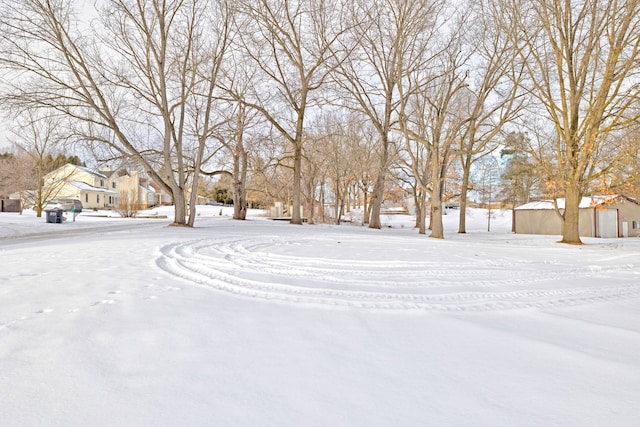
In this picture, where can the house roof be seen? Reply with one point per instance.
(107, 173)
(586, 202)
(86, 187)
(92, 172)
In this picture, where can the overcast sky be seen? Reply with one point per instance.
(4, 143)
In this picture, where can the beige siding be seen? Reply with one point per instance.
(629, 212)
(132, 186)
(67, 191)
(68, 172)
(537, 222)
(546, 221)
(93, 200)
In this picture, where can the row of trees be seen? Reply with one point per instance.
(342, 95)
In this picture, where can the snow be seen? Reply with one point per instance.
(585, 203)
(108, 321)
(86, 187)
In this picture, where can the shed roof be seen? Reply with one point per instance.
(585, 203)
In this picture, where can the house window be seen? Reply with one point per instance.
(102, 183)
(635, 224)
(86, 197)
(97, 198)
(113, 185)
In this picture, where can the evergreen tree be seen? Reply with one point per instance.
(519, 177)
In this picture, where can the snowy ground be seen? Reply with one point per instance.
(116, 322)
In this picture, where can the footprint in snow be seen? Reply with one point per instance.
(104, 302)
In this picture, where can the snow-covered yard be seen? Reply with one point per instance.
(115, 322)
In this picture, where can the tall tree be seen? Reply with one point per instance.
(487, 184)
(393, 39)
(234, 160)
(289, 42)
(413, 170)
(493, 89)
(432, 114)
(581, 59)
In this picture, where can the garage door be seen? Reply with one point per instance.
(607, 223)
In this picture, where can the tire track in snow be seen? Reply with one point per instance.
(235, 256)
(247, 268)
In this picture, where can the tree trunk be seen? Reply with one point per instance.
(296, 218)
(336, 209)
(311, 205)
(422, 212)
(365, 205)
(193, 199)
(437, 228)
(179, 205)
(376, 203)
(466, 171)
(418, 206)
(348, 198)
(322, 204)
(378, 188)
(310, 196)
(239, 186)
(570, 217)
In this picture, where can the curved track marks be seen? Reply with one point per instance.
(255, 268)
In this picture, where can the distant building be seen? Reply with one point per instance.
(101, 189)
(599, 216)
(94, 189)
(142, 192)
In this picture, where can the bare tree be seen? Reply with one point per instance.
(240, 129)
(493, 90)
(202, 69)
(289, 41)
(488, 184)
(393, 40)
(36, 139)
(581, 60)
(413, 167)
(231, 135)
(131, 84)
(17, 172)
(433, 114)
(337, 153)
(314, 174)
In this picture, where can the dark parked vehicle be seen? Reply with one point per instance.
(64, 204)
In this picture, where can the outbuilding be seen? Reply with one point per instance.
(599, 216)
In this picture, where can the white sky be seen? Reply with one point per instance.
(4, 143)
(107, 321)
